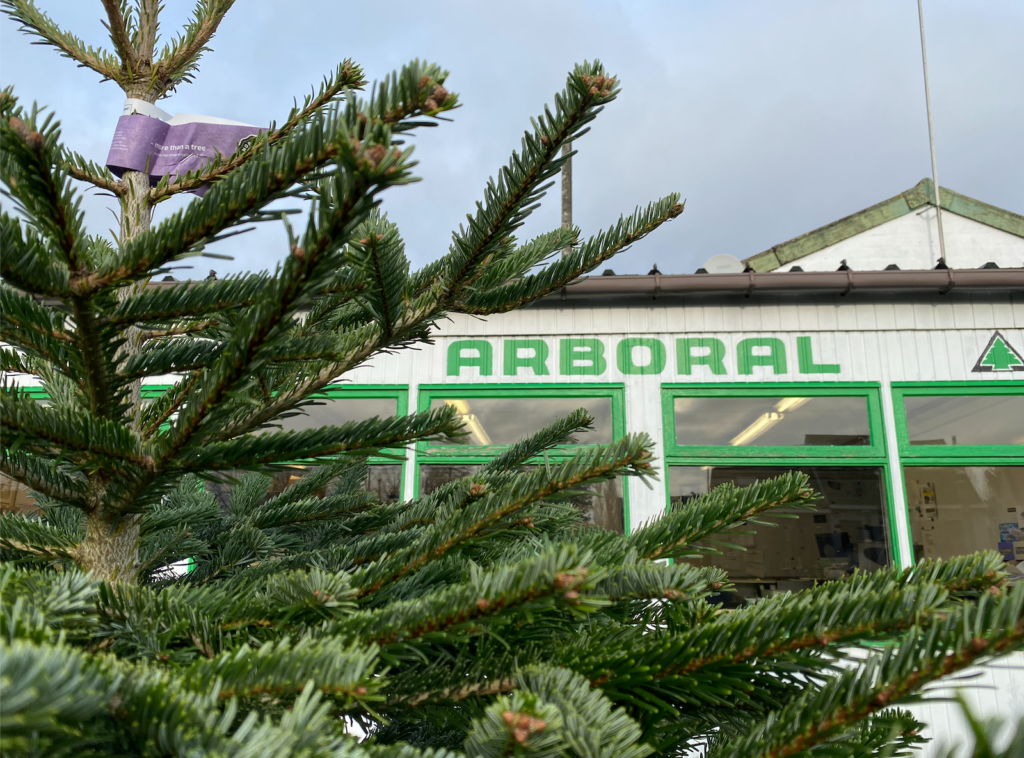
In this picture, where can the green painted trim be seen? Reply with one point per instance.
(954, 455)
(867, 390)
(478, 455)
(922, 194)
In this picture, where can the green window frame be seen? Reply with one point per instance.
(399, 392)
(874, 455)
(963, 455)
(952, 455)
(869, 391)
(432, 454)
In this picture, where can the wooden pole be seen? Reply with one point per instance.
(567, 191)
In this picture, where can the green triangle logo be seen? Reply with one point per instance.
(999, 355)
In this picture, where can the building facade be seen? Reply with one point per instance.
(894, 379)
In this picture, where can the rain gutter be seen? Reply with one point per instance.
(812, 282)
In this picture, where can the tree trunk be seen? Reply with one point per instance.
(110, 549)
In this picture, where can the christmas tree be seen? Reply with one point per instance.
(484, 619)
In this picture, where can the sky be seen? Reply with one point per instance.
(770, 118)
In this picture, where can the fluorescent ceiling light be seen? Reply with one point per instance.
(476, 429)
(766, 421)
(763, 423)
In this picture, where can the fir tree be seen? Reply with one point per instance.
(481, 620)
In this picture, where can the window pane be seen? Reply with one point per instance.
(772, 421)
(506, 420)
(965, 420)
(14, 497)
(433, 476)
(385, 481)
(847, 530)
(601, 503)
(955, 510)
(336, 411)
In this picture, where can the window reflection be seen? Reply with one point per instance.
(955, 510)
(601, 503)
(965, 420)
(772, 421)
(507, 420)
(385, 481)
(15, 498)
(336, 411)
(847, 530)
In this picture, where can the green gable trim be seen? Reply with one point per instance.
(917, 197)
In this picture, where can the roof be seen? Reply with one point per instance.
(920, 195)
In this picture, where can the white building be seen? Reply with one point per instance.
(851, 352)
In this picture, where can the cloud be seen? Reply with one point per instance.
(771, 119)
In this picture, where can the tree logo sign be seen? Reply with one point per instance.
(999, 355)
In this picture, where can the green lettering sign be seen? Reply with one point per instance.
(537, 361)
(686, 360)
(574, 351)
(624, 356)
(483, 360)
(805, 358)
(775, 357)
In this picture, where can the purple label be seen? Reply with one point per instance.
(160, 149)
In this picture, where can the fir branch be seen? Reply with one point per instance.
(629, 455)
(964, 638)
(116, 24)
(86, 171)
(147, 29)
(171, 357)
(71, 431)
(675, 534)
(187, 300)
(35, 22)
(357, 437)
(508, 202)
(43, 476)
(31, 536)
(578, 262)
(179, 61)
(178, 330)
(348, 76)
(555, 579)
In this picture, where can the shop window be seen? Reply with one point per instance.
(847, 531)
(956, 510)
(498, 416)
(748, 433)
(962, 451)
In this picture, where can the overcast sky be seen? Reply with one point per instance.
(769, 118)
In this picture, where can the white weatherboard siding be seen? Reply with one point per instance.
(912, 242)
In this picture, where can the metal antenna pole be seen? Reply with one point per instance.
(931, 134)
(566, 191)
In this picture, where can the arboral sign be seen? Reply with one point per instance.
(593, 356)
